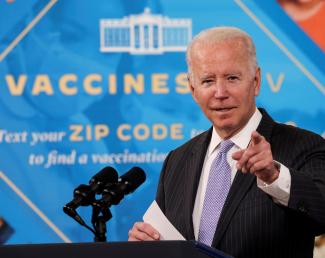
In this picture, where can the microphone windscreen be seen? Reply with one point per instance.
(105, 176)
(133, 178)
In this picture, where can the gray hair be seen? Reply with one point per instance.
(221, 34)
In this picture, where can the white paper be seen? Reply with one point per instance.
(156, 218)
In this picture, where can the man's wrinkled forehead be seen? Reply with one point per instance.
(200, 48)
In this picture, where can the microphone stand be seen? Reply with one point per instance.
(112, 194)
(99, 222)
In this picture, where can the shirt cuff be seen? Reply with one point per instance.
(280, 188)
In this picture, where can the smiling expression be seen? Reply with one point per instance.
(224, 83)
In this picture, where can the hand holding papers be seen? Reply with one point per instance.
(156, 218)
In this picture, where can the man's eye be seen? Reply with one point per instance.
(233, 78)
(207, 82)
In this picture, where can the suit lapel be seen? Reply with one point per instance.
(193, 173)
(240, 185)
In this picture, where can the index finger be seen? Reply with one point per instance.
(256, 138)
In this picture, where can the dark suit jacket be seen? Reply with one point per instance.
(251, 223)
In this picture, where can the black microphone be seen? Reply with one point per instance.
(102, 178)
(113, 194)
(84, 195)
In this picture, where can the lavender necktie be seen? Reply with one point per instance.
(216, 193)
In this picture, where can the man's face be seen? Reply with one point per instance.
(224, 84)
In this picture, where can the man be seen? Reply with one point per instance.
(263, 195)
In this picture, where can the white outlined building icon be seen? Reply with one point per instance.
(145, 33)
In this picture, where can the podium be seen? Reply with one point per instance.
(146, 249)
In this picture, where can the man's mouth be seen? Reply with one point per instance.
(226, 109)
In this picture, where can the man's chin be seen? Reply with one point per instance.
(224, 125)
(227, 128)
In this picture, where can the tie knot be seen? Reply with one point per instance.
(225, 146)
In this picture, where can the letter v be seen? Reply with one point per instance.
(275, 87)
(16, 89)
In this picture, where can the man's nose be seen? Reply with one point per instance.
(221, 91)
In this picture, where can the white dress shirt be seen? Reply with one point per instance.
(279, 189)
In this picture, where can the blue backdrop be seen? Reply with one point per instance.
(69, 106)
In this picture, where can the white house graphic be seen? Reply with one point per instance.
(145, 33)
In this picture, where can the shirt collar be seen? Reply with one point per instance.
(242, 138)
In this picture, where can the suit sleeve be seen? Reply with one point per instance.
(307, 193)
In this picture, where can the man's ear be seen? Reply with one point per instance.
(257, 81)
(190, 84)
